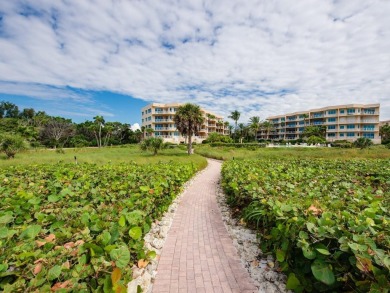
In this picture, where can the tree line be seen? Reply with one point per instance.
(39, 129)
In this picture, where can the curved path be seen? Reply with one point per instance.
(198, 255)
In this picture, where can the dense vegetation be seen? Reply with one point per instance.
(223, 152)
(80, 227)
(38, 128)
(327, 221)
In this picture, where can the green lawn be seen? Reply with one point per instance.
(226, 153)
(112, 155)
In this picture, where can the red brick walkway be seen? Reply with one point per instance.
(198, 255)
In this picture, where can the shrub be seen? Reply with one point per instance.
(217, 137)
(362, 143)
(11, 144)
(153, 144)
(315, 140)
(239, 145)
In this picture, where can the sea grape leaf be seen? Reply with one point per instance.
(280, 255)
(292, 282)
(135, 233)
(322, 271)
(106, 237)
(121, 256)
(151, 254)
(30, 232)
(116, 275)
(5, 219)
(309, 253)
(323, 251)
(3, 232)
(122, 221)
(54, 272)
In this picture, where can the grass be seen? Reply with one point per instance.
(228, 153)
(108, 155)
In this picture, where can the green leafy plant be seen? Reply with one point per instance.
(153, 144)
(80, 228)
(12, 144)
(326, 221)
(363, 143)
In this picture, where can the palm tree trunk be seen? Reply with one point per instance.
(189, 149)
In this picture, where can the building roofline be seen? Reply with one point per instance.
(324, 109)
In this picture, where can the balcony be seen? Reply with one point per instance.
(165, 128)
(162, 120)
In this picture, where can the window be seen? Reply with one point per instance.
(342, 111)
(332, 127)
(331, 119)
(368, 135)
(341, 126)
(301, 122)
(142, 120)
(341, 134)
(369, 127)
(149, 110)
(332, 112)
(149, 118)
(331, 134)
(351, 111)
(142, 113)
(351, 134)
(351, 126)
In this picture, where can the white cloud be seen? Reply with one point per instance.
(259, 57)
(135, 127)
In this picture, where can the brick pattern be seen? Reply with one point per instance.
(198, 255)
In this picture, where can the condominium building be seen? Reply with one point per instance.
(344, 122)
(159, 117)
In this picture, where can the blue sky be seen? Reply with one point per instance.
(79, 59)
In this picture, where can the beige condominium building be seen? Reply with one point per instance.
(344, 122)
(159, 117)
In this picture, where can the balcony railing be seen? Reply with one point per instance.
(162, 120)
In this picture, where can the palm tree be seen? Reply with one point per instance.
(188, 120)
(268, 127)
(149, 131)
(254, 124)
(226, 126)
(242, 128)
(99, 122)
(235, 116)
(143, 128)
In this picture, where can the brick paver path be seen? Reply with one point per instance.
(198, 255)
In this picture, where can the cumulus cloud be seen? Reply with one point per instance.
(135, 127)
(259, 57)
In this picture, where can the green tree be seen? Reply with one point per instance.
(313, 130)
(188, 120)
(384, 132)
(97, 129)
(254, 124)
(12, 144)
(149, 131)
(268, 127)
(362, 143)
(153, 144)
(8, 110)
(315, 139)
(235, 116)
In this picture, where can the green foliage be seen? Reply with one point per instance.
(315, 140)
(362, 143)
(342, 144)
(80, 227)
(314, 130)
(188, 120)
(327, 221)
(217, 137)
(384, 132)
(239, 145)
(12, 144)
(153, 144)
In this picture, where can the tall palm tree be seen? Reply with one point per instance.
(188, 120)
(254, 124)
(143, 128)
(268, 127)
(305, 116)
(149, 131)
(235, 116)
(99, 122)
(226, 126)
